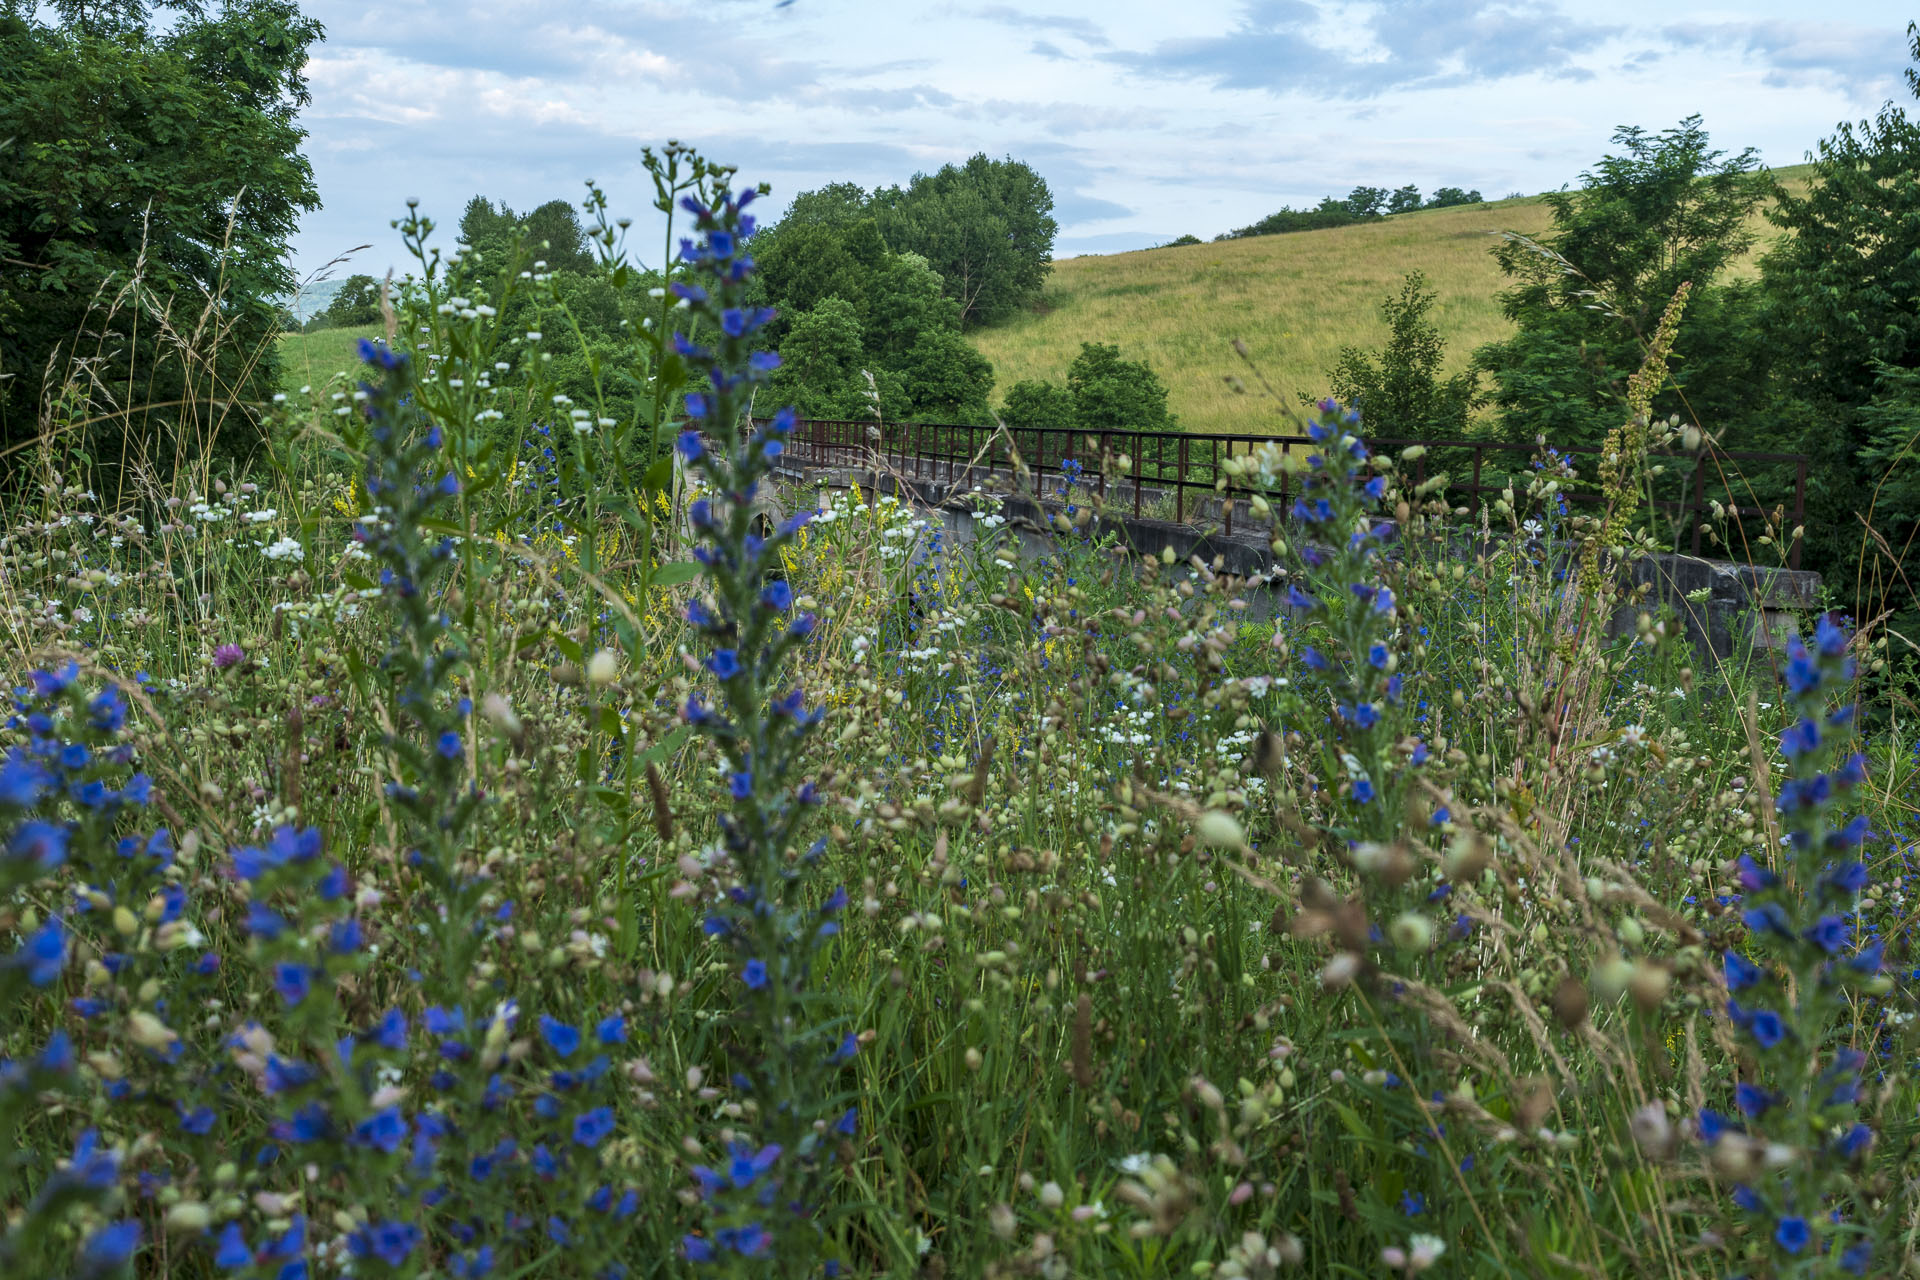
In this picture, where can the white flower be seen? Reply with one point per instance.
(284, 549)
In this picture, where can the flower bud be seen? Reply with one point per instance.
(149, 1032)
(189, 1216)
(1219, 830)
(603, 668)
(1411, 931)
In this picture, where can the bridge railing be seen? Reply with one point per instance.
(1186, 470)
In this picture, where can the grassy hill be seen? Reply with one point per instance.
(1295, 300)
(313, 358)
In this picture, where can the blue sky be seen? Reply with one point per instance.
(1149, 118)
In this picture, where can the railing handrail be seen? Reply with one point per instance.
(912, 444)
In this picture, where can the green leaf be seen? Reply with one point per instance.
(675, 574)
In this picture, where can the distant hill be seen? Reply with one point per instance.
(1295, 299)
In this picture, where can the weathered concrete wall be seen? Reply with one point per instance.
(1738, 604)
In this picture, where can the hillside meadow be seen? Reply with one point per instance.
(1294, 299)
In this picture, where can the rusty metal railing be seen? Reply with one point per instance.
(1188, 466)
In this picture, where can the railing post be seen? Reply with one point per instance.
(1699, 497)
(1220, 478)
(1799, 510)
(1138, 449)
(1180, 485)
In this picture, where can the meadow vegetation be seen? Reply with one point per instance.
(469, 836)
(418, 865)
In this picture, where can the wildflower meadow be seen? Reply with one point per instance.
(496, 833)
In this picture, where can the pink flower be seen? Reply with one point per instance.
(227, 655)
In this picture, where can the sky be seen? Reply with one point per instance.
(1148, 118)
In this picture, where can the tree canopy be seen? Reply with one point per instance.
(1663, 210)
(174, 145)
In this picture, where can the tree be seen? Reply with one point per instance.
(805, 264)
(1840, 293)
(1400, 392)
(174, 144)
(1113, 394)
(1446, 197)
(1404, 200)
(946, 380)
(1666, 210)
(986, 227)
(1044, 406)
(820, 363)
(356, 302)
(1367, 202)
(556, 238)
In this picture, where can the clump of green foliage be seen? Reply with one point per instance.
(1362, 204)
(1103, 392)
(1402, 390)
(150, 174)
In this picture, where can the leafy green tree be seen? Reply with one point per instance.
(1404, 199)
(837, 204)
(820, 363)
(946, 380)
(1841, 293)
(805, 264)
(1447, 197)
(905, 303)
(355, 302)
(554, 232)
(1113, 394)
(173, 143)
(1667, 209)
(1401, 392)
(987, 228)
(1046, 406)
(1367, 202)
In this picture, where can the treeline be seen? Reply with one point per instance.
(875, 290)
(1362, 204)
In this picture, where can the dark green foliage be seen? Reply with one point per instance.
(1843, 297)
(1181, 241)
(945, 379)
(806, 263)
(1367, 202)
(1447, 197)
(1110, 393)
(1103, 393)
(1666, 210)
(1044, 406)
(1363, 204)
(986, 227)
(355, 302)
(1400, 392)
(821, 358)
(553, 232)
(174, 143)
(849, 307)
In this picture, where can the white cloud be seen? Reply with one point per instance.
(1148, 120)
